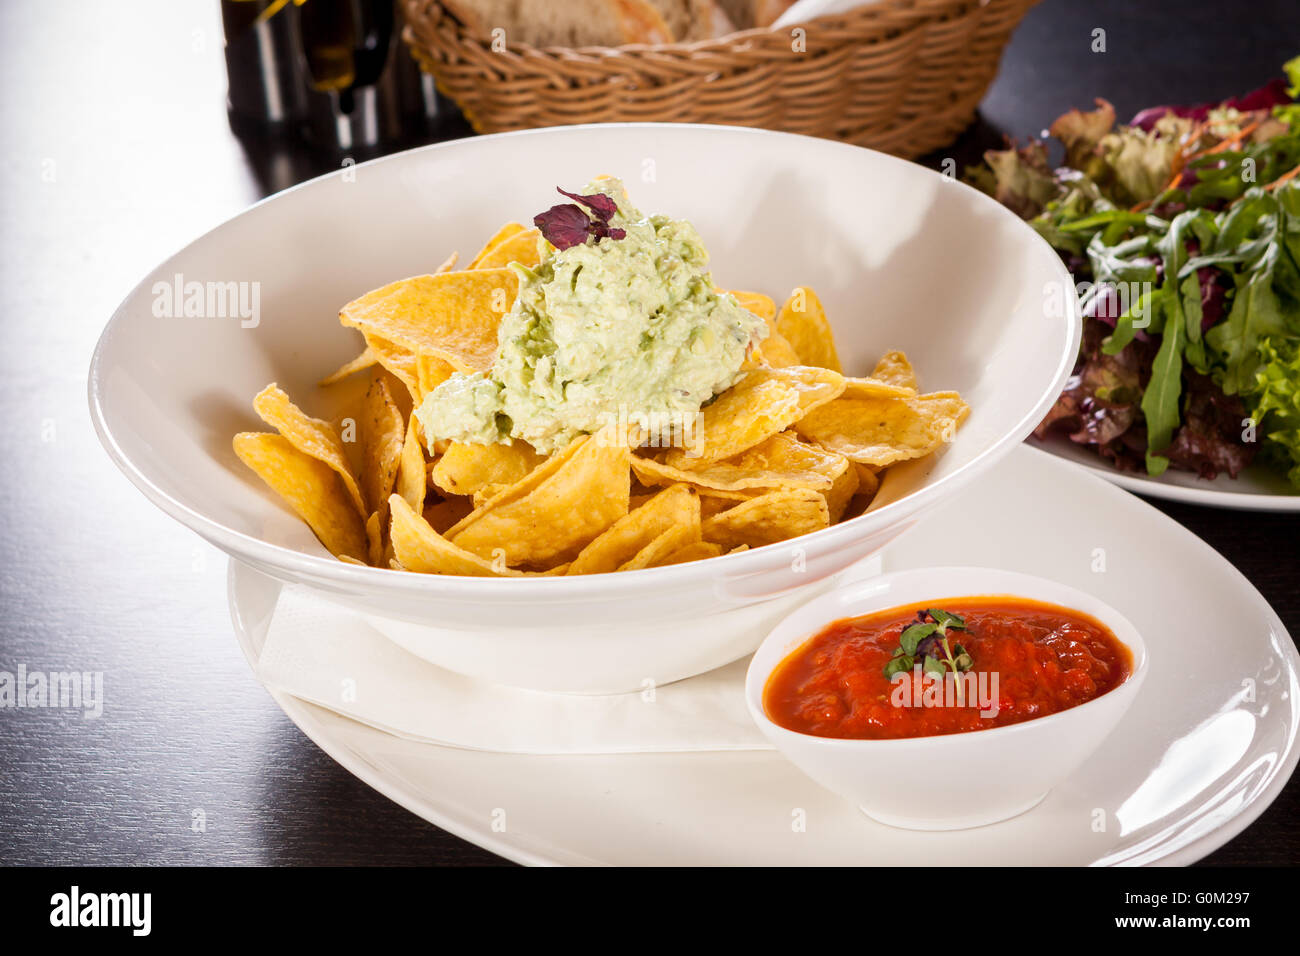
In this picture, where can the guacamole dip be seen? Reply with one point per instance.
(609, 327)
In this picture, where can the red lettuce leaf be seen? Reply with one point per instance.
(1267, 96)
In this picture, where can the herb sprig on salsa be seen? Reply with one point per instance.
(926, 642)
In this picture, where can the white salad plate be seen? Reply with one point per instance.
(1209, 742)
(1256, 489)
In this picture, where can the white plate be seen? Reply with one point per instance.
(1256, 489)
(1195, 761)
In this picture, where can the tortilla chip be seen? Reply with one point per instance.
(311, 487)
(803, 324)
(874, 388)
(868, 478)
(761, 305)
(452, 315)
(767, 519)
(444, 514)
(868, 485)
(366, 359)
(695, 551)
(502, 234)
(881, 431)
(375, 540)
(400, 362)
(412, 479)
(464, 469)
(840, 493)
(670, 542)
(382, 435)
(715, 502)
(775, 352)
(763, 403)
(487, 493)
(895, 369)
(782, 461)
(675, 507)
(556, 509)
(314, 437)
(520, 247)
(447, 264)
(419, 548)
(430, 372)
(772, 352)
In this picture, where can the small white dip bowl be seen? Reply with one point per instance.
(953, 781)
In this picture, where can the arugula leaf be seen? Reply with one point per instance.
(1179, 306)
(1160, 400)
(1149, 302)
(1194, 349)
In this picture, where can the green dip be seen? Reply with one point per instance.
(628, 328)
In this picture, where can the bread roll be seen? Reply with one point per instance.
(748, 14)
(571, 23)
(691, 20)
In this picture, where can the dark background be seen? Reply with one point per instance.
(117, 151)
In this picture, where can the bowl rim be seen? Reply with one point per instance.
(1123, 629)
(279, 560)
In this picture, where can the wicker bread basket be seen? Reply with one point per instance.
(903, 76)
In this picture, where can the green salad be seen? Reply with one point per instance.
(1182, 230)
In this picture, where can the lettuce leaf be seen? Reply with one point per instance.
(1274, 402)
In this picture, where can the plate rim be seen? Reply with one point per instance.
(1158, 488)
(301, 714)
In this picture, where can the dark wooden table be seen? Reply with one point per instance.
(116, 152)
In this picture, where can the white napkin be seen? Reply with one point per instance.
(806, 10)
(326, 655)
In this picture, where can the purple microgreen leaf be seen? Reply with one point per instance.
(599, 203)
(568, 225)
(564, 226)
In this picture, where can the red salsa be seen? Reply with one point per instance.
(1024, 659)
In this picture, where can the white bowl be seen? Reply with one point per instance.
(900, 256)
(953, 781)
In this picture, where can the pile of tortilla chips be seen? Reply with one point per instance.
(792, 447)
